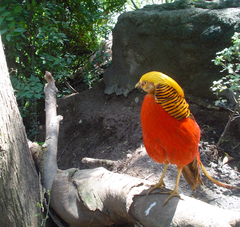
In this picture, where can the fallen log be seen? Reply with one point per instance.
(98, 197)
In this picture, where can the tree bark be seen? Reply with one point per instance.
(19, 186)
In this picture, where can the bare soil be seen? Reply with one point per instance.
(103, 126)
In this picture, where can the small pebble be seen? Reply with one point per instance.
(136, 100)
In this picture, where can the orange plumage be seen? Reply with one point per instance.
(165, 138)
(170, 132)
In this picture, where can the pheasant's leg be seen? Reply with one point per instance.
(174, 192)
(160, 182)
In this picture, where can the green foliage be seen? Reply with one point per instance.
(58, 36)
(229, 59)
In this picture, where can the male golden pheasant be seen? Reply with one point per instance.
(170, 132)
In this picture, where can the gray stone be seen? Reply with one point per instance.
(179, 39)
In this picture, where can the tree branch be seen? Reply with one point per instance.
(109, 164)
(135, 6)
(52, 130)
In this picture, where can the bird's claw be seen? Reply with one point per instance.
(173, 193)
(160, 185)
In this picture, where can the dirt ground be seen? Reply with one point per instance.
(102, 126)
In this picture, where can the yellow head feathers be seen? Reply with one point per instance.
(160, 78)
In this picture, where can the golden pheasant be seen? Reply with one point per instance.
(170, 132)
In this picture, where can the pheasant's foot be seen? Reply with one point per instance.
(172, 193)
(160, 185)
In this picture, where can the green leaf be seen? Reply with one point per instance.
(3, 31)
(29, 94)
(10, 18)
(17, 9)
(62, 35)
(69, 60)
(28, 6)
(21, 30)
(4, 14)
(2, 9)
(37, 96)
(8, 37)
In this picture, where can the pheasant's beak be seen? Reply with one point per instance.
(139, 84)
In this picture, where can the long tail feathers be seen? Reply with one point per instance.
(191, 173)
(218, 183)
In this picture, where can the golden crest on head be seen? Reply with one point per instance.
(161, 78)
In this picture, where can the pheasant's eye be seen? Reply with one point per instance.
(145, 82)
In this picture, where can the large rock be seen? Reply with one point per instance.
(179, 39)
